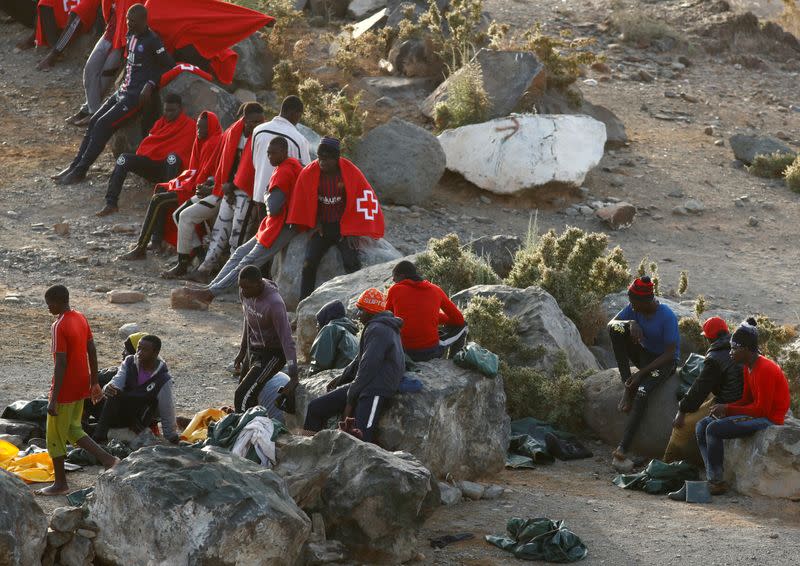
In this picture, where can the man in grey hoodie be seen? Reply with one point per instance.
(372, 378)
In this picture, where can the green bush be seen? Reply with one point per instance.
(772, 337)
(792, 175)
(575, 269)
(285, 79)
(490, 327)
(771, 166)
(467, 101)
(453, 268)
(692, 339)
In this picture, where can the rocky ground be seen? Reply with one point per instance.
(668, 162)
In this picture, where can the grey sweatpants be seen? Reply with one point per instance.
(228, 227)
(191, 213)
(98, 73)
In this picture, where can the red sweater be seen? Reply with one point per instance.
(765, 394)
(422, 306)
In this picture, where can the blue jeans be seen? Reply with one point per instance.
(712, 431)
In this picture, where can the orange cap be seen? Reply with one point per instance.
(372, 301)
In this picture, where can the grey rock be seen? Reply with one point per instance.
(86, 533)
(77, 552)
(618, 215)
(376, 514)
(67, 519)
(213, 507)
(456, 425)
(694, 206)
(57, 538)
(449, 495)
(499, 251)
(680, 211)
(746, 147)
(384, 155)
(13, 439)
(405, 89)
(509, 77)
(541, 323)
(255, 64)
(23, 429)
(386, 102)
(471, 490)
(127, 329)
(23, 525)
(325, 552)
(752, 221)
(493, 492)
(288, 265)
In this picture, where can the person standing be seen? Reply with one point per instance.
(74, 379)
(267, 342)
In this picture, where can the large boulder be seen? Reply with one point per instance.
(209, 507)
(498, 251)
(402, 161)
(746, 147)
(23, 524)
(556, 102)
(372, 500)
(766, 463)
(23, 429)
(603, 391)
(541, 323)
(255, 64)
(510, 155)
(510, 78)
(457, 425)
(287, 266)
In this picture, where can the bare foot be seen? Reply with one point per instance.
(52, 490)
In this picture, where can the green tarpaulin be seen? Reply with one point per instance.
(658, 477)
(540, 539)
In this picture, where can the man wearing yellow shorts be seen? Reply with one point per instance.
(74, 379)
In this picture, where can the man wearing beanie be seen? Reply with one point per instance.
(720, 381)
(372, 378)
(644, 333)
(764, 402)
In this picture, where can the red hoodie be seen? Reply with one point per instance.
(423, 306)
(766, 392)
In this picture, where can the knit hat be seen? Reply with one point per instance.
(371, 301)
(714, 327)
(641, 289)
(330, 311)
(746, 336)
(331, 143)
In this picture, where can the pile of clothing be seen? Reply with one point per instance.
(537, 442)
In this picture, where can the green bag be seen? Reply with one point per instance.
(540, 539)
(658, 478)
(690, 370)
(34, 411)
(474, 357)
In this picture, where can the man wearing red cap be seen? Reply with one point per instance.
(720, 381)
(371, 379)
(644, 333)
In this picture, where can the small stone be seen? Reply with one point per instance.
(12, 300)
(125, 228)
(586, 210)
(690, 98)
(483, 220)
(325, 552)
(485, 200)
(57, 538)
(590, 82)
(783, 136)
(180, 299)
(571, 211)
(645, 76)
(122, 297)
(773, 535)
(66, 519)
(101, 289)
(87, 533)
(12, 214)
(616, 181)
(694, 206)
(471, 490)
(584, 191)
(449, 495)
(685, 61)
(709, 131)
(752, 221)
(601, 67)
(77, 552)
(127, 329)
(670, 94)
(680, 211)
(386, 102)
(677, 193)
(493, 492)
(719, 142)
(677, 66)
(619, 215)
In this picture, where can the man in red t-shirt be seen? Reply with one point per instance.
(273, 235)
(74, 379)
(424, 306)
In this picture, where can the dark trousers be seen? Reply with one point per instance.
(626, 351)
(48, 20)
(124, 411)
(320, 243)
(711, 432)
(367, 411)
(153, 171)
(114, 112)
(155, 218)
(262, 365)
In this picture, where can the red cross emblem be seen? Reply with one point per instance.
(368, 204)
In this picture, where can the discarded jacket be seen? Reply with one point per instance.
(658, 477)
(257, 435)
(537, 442)
(479, 359)
(225, 432)
(34, 411)
(540, 539)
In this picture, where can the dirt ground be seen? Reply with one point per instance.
(732, 263)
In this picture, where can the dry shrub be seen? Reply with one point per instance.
(641, 29)
(790, 18)
(771, 166)
(692, 339)
(792, 175)
(453, 268)
(361, 55)
(467, 101)
(772, 337)
(279, 36)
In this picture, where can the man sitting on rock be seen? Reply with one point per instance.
(141, 386)
(272, 236)
(334, 200)
(423, 306)
(719, 382)
(765, 400)
(336, 344)
(267, 342)
(644, 333)
(159, 157)
(371, 379)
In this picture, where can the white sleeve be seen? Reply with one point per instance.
(305, 156)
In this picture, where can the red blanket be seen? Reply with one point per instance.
(205, 155)
(246, 172)
(284, 178)
(230, 145)
(362, 215)
(85, 9)
(211, 26)
(165, 137)
(175, 72)
(120, 21)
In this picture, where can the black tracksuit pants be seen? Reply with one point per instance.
(262, 365)
(320, 243)
(153, 171)
(156, 216)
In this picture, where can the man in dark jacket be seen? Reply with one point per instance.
(720, 381)
(372, 378)
(336, 344)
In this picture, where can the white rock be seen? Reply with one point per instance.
(127, 329)
(544, 149)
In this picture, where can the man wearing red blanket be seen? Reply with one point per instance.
(159, 157)
(334, 200)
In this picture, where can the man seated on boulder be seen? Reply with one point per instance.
(267, 342)
(142, 386)
(334, 200)
(336, 344)
(272, 236)
(720, 381)
(159, 157)
(644, 333)
(423, 306)
(147, 60)
(765, 400)
(371, 379)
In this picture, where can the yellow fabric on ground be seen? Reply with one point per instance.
(197, 429)
(34, 468)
